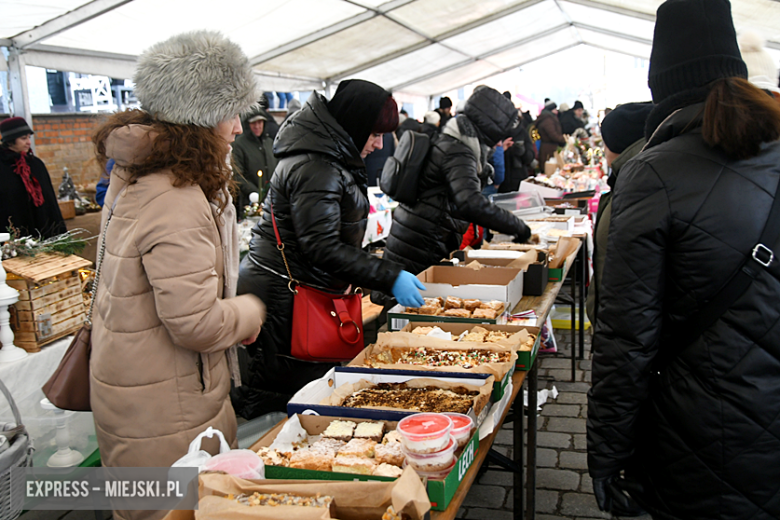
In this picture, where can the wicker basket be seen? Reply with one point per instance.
(18, 455)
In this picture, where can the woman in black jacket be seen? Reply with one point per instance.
(694, 423)
(27, 198)
(318, 192)
(450, 186)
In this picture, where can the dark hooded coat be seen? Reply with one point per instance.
(550, 134)
(319, 200)
(450, 187)
(252, 155)
(17, 205)
(697, 425)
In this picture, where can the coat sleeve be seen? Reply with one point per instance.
(629, 317)
(315, 205)
(460, 169)
(175, 237)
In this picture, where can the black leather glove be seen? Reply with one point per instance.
(612, 497)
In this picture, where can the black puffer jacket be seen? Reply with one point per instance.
(450, 187)
(319, 196)
(703, 437)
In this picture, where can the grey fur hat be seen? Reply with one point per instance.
(195, 78)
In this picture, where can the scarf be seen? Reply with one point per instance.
(462, 129)
(228, 232)
(31, 184)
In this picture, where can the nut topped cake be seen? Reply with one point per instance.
(425, 399)
(440, 358)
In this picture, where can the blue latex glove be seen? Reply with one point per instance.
(406, 290)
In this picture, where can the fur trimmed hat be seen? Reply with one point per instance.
(196, 78)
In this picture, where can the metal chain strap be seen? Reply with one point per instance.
(101, 253)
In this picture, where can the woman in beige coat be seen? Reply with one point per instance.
(165, 313)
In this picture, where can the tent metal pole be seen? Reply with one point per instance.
(18, 80)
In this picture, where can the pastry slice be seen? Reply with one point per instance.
(341, 430)
(493, 304)
(389, 453)
(470, 305)
(358, 448)
(489, 314)
(422, 331)
(457, 313)
(311, 459)
(388, 470)
(370, 430)
(496, 336)
(430, 310)
(328, 444)
(272, 457)
(392, 436)
(359, 465)
(453, 302)
(436, 302)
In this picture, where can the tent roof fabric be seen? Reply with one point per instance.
(419, 47)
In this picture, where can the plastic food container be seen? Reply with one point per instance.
(462, 426)
(433, 462)
(425, 432)
(239, 463)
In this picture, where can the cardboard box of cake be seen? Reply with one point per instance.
(415, 395)
(344, 446)
(477, 351)
(224, 497)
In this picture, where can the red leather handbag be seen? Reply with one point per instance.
(326, 327)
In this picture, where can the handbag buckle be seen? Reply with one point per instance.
(763, 251)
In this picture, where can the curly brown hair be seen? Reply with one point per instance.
(194, 154)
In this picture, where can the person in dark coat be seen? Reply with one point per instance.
(430, 126)
(27, 198)
(407, 124)
(253, 158)
(319, 198)
(375, 161)
(444, 111)
(693, 424)
(571, 120)
(518, 159)
(550, 132)
(623, 131)
(450, 186)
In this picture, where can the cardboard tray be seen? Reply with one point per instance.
(397, 319)
(503, 375)
(309, 399)
(525, 358)
(500, 284)
(440, 492)
(535, 278)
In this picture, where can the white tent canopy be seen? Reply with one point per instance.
(415, 47)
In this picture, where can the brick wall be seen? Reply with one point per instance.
(66, 140)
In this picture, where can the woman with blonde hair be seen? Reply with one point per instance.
(165, 312)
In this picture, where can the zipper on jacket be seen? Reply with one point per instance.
(199, 363)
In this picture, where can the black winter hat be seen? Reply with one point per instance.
(493, 114)
(693, 45)
(625, 125)
(13, 128)
(445, 102)
(577, 104)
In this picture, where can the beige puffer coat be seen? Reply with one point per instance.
(159, 372)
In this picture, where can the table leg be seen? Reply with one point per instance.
(573, 319)
(518, 507)
(583, 279)
(531, 445)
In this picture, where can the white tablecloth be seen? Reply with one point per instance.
(24, 376)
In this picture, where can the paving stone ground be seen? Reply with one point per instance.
(563, 488)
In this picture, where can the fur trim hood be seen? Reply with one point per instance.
(196, 78)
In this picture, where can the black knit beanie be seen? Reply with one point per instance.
(694, 44)
(625, 125)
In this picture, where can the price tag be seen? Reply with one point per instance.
(45, 326)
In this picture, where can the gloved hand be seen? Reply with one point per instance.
(406, 290)
(523, 237)
(612, 497)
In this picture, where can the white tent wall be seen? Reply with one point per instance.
(419, 48)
